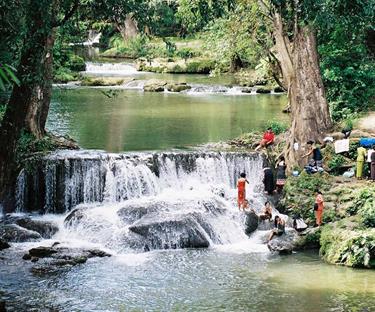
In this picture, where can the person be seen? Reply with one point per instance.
(298, 223)
(279, 228)
(241, 186)
(269, 185)
(245, 205)
(372, 166)
(371, 149)
(361, 156)
(314, 151)
(267, 212)
(319, 206)
(281, 174)
(268, 139)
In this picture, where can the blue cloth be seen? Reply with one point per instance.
(367, 142)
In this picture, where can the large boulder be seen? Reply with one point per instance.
(251, 222)
(45, 228)
(173, 231)
(15, 233)
(42, 252)
(285, 243)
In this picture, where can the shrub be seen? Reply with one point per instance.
(186, 53)
(76, 63)
(277, 126)
(336, 162)
(2, 112)
(64, 75)
(363, 200)
(203, 66)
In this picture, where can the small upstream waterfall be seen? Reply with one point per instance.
(116, 69)
(143, 201)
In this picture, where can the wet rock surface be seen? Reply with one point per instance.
(180, 231)
(15, 233)
(285, 243)
(4, 244)
(252, 222)
(45, 228)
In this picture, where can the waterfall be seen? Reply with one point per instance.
(117, 69)
(65, 179)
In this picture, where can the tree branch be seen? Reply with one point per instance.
(67, 14)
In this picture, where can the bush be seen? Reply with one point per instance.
(336, 162)
(76, 63)
(64, 75)
(203, 66)
(186, 53)
(277, 126)
(364, 199)
(2, 112)
(355, 248)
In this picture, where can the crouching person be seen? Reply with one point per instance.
(279, 228)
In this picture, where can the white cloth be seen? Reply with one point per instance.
(369, 154)
(300, 224)
(341, 146)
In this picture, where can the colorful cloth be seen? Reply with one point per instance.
(269, 137)
(359, 173)
(361, 154)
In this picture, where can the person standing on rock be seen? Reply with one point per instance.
(281, 174)
(361, 156)
(241, 187)
(319, 203)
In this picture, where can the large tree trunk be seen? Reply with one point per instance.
(301, 73)
(28, 106)
(128, 28)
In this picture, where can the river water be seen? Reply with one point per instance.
(177, 191)
(213, 110)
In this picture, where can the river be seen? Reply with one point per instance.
(179, 195)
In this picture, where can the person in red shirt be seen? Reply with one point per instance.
(241, 186)
(319, 203)
(268, 139)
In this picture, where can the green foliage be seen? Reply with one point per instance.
(363, 201)
(194, 15)
(2, 112)
(350, 247)
(136, 47)
(7, 76)
(336, 162)
(203, 66)
(277, 126)
(63, 75)
(76, 63)
(186, 53)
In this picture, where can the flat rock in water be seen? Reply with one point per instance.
(285, 243)
(42, 252)
(15, 233)
(178, 87)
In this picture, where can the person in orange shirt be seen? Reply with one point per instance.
(241, 186)
(319, 204)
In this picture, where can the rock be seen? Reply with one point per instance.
(135, 211)
(247, 90)
(263, 90)
(308, 239)
(3, 244)
(75, 216)
(98, 253)
(278, 90)
(285, 243)
(175, 231)
(34, 259)
(15, 233)
(251, 223)
(154, 86)
(45, 228)
(42, 252)
(178, 87)
(26, 257)
(2, 306)
(265, 225)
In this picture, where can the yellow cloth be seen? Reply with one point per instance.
(359, 169)
(361, 154)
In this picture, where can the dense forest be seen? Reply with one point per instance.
(320, 52)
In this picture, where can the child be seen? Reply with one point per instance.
(319, 203)
(241, 186)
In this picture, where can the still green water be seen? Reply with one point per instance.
(134, 120)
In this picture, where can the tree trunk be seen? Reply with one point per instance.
(129, 28)
(28, 106)
(309, 109)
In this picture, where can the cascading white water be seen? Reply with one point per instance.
(146, 201)
(116, 69)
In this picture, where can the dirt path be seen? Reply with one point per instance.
(367, 123)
